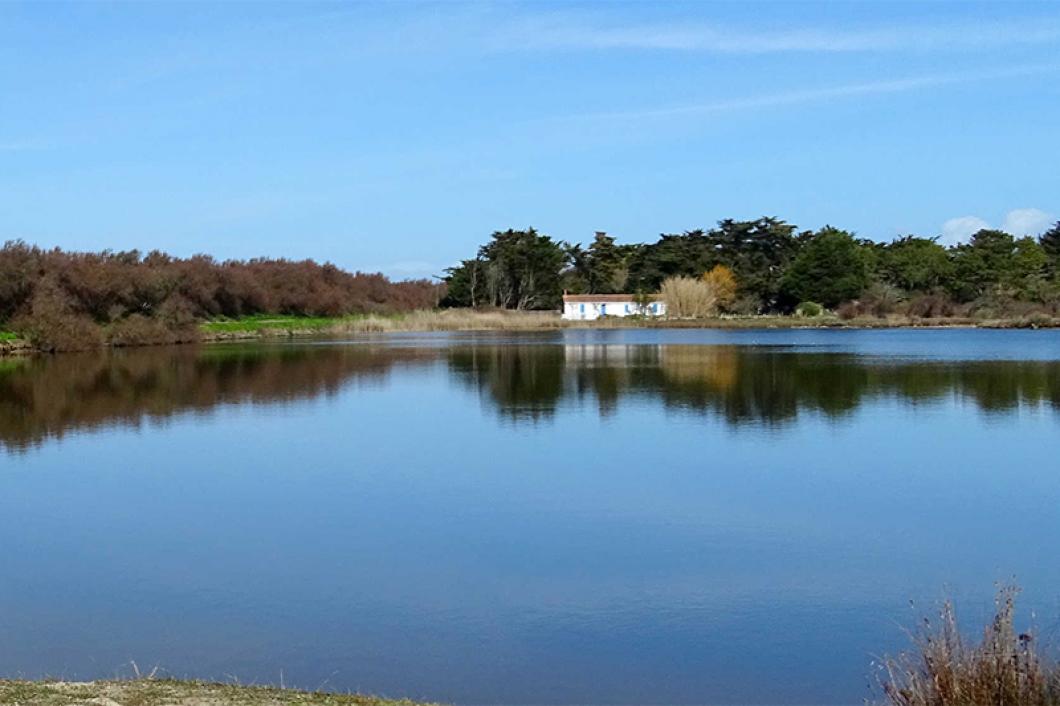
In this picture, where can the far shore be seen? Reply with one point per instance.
(279, 326)
(172, 692)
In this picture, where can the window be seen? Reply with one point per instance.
(582, 308)
(603, 309)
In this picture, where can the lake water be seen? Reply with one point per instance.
(577, 517)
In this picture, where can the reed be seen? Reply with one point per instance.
(1005, 668)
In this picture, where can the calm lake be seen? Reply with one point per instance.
(573, 517)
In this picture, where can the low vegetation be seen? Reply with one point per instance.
(167, 692)
(424, 320)
(1005, 668)
(64, 301)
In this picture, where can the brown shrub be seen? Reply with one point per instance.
(65, 301)
(930, 306)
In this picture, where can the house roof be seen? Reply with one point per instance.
(604, 298)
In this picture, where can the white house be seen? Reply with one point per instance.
(586, 307)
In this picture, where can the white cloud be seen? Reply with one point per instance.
(1027, 221)
(1018, 222)
(958, 230)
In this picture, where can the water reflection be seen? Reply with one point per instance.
(48, 397)
(740, 384)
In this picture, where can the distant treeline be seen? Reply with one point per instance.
(64, 300)
(775, 267)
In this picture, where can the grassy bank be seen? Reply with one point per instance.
(496, 320)
(167, 692)
(278, 326)
(439, 320)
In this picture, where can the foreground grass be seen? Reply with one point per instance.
(169, 692)
(1005, 668)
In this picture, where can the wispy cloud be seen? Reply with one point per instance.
(580, 32)
(811, 95)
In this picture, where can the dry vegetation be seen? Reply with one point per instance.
(688, 298)
(67, 301)
(166, 692)
(1006, 668)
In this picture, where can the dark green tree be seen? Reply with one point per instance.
(914, 264)
(758, 252)
(606, 268)
(829, 269)
(995, 263)
(466, 284)
(523, 269)
(689, 254)
(1050, 244)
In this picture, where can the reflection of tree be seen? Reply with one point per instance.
(524, 381)
(48, 396)
(739, 385)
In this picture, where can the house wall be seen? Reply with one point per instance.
(590, 311)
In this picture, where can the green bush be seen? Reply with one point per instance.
(809, 310)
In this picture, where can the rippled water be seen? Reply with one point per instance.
(642, 516)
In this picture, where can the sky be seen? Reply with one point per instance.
(396, 137)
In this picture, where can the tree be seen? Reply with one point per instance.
(995, 263)
(686, 255)
(523, 269)
(758, 252)
(605, 266)
(1050, 244)
(914, 264)
(723, 283)
(465, 284)
(829, 269)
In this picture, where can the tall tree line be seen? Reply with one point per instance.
(776, 266)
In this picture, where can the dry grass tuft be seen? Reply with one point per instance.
(1004, 669)
(688, 298)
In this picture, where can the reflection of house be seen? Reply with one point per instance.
(610, 355)
(592, 306)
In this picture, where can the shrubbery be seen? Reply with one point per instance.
(64, 301)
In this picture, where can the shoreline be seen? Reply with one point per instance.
(456, 320)
(175, 692)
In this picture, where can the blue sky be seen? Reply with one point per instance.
(396, 137)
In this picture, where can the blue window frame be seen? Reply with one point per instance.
(582, 308)
(603, 309)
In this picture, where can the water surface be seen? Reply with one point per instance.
(592, 517)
